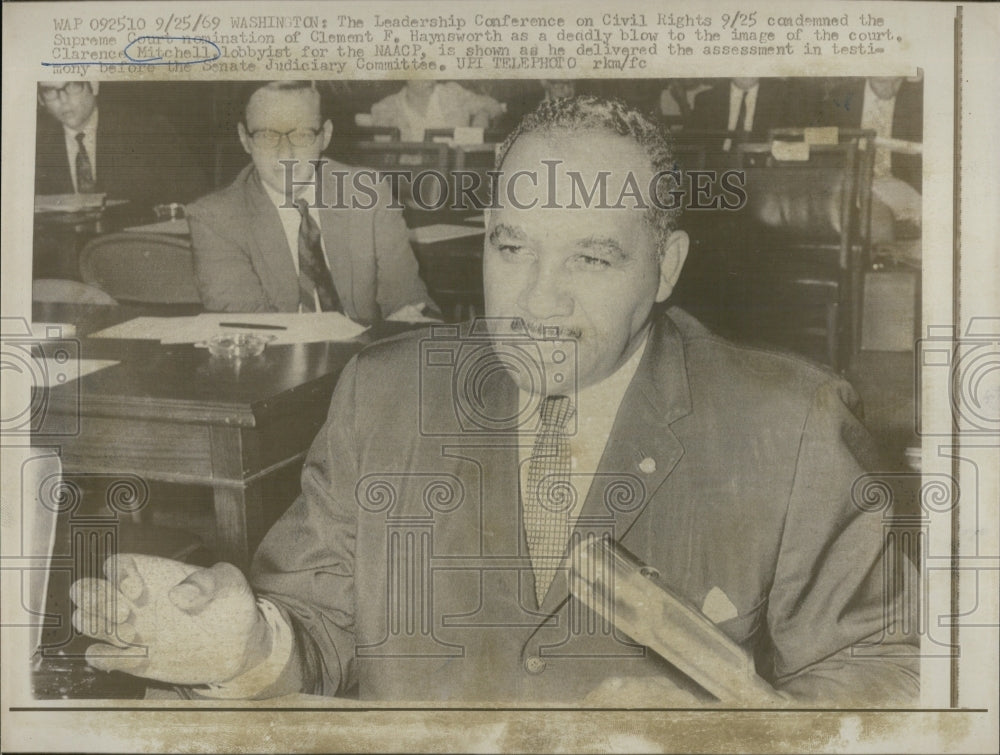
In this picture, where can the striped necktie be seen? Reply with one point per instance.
(549, 498)
(315, 281)
(85, 183)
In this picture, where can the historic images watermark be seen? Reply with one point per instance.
(432, 189)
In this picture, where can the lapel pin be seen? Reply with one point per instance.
(648, 465)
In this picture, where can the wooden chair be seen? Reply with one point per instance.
(142, 268)
(804, 241)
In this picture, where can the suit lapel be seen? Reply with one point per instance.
(642, 450)
(270, 247)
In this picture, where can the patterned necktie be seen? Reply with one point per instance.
(315, 281)
(549, 498)
(85, 183)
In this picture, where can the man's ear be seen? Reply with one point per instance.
(675, 250)
(327, 134)
(244, 136)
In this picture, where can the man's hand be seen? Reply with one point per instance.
(169, 621)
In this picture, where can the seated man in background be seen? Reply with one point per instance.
(893, 107)
(747, 105)
(86, 147)
(425, 556)
(423, 104)
(264, 243)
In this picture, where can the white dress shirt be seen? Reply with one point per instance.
(89, 130)
(735, 96)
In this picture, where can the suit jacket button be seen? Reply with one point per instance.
(534, 665)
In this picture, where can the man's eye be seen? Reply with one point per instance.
(598, 263)
(512, 249)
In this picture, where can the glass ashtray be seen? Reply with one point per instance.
(234, 346)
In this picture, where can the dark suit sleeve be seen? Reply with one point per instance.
(836, 613)
(305, 564)
(227, 281)
(398, 280)
(52, 174)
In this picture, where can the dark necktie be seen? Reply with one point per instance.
(549, 498)
(315, 281)
(85, 183)
(742, 116)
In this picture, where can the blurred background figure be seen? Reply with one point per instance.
(745, 104)
(556, 88)
(677, 99)
(422, 105)
(85, 146)
(893, 107)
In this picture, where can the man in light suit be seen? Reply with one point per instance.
(249, 251)
(424, 559)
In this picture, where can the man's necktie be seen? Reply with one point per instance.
(85, 183)
(315, 281)
(742, 115)
(549, 498)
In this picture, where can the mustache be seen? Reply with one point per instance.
(542, 332)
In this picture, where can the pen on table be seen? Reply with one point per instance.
(251, 325)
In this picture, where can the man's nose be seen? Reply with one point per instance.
(545, 294)
(284, 150)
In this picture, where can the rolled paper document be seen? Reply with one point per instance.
(614, 584)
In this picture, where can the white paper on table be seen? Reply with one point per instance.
(173, 227)
(411, 313)
(468, 135)
(58, 373)
(430, 234)
(288, 327)
(44, 330)
(68, 202)
(141, 328)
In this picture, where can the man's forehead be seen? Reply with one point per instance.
(563, 153)
(284, 104)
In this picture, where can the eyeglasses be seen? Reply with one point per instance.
(48, 95)
(298, 137)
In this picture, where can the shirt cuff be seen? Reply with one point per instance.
(251, 683)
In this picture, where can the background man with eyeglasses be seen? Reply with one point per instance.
(260, 245)
(85, 145)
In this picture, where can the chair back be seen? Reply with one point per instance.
(144, 268)
(63, 291)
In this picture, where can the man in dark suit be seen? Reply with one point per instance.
(749, 106)
(250, 238)
(424, 559)
(85, 147)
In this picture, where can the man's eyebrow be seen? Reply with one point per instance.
(605, 244)
(503, 229)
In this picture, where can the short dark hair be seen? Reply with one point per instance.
(249, 89)
(591, 113)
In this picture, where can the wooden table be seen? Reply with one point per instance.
(174, 414)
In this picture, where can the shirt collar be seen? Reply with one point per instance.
(89, 126)
(604, 396)
(278, 198)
